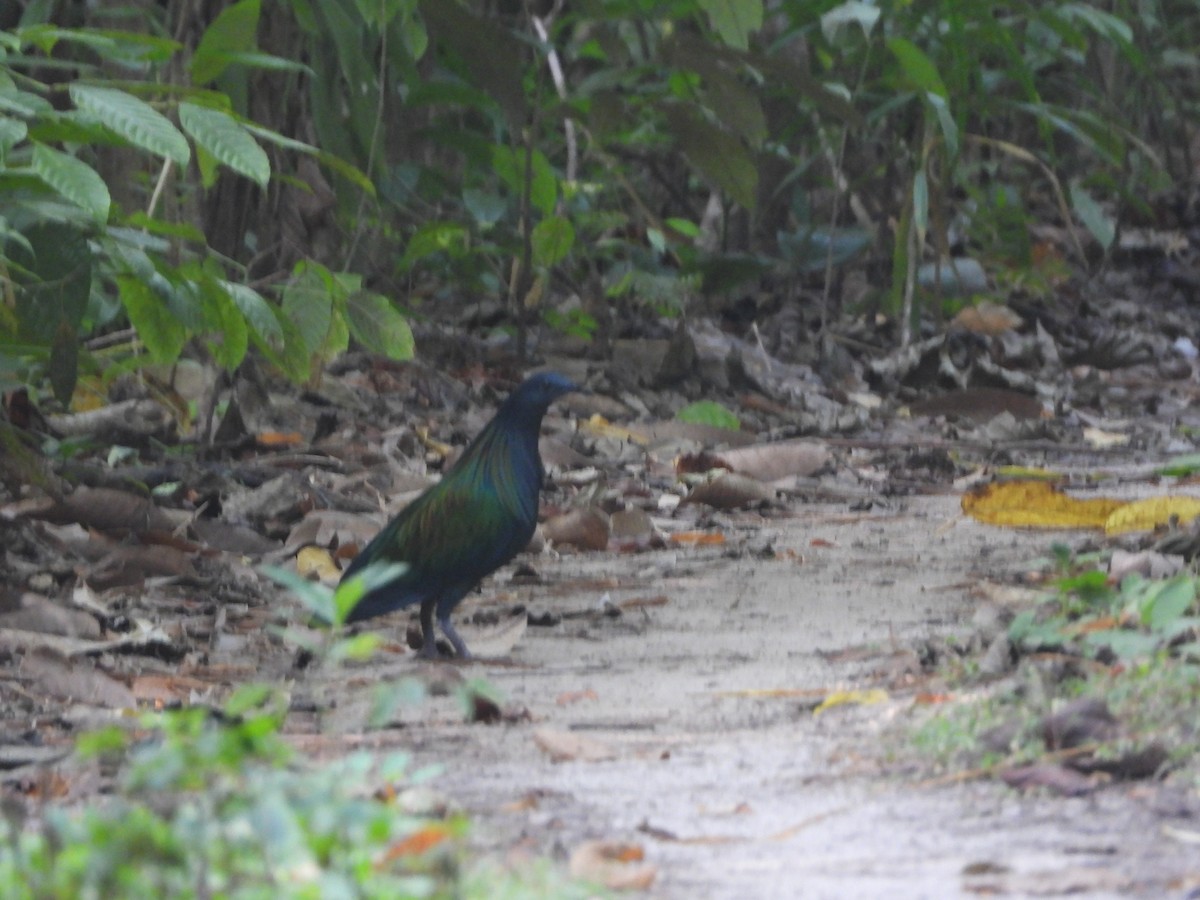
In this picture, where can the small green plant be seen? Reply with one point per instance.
(217, 804)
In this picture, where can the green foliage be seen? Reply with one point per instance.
(1136, 619)
(709, 412)
(216, 804)
(78, 261)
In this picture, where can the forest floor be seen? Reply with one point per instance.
(688, 727)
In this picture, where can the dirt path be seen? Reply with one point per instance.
(734, 794)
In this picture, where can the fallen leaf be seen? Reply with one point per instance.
(1058, 779)
(731, 491)
(611, 863)
(861, 698)
(1035, 504)
(987, 318)
(586, 529)
(770, 462)
(419, 842)
(1103, 440)
(74, 679)
(699, 538)
(317, 562)
(1148, 514)
(565, 746)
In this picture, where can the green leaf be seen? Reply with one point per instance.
(12, 132)
(431, 238)
(135, 120)
(258, 313)
(233, 30)
(1092, 216)
(716, 153)
(552, 240)
(378, 326)
(348, 171)
(733, 20)
(509, 165)
(920, 199)
(308, 303)
(229, 338)
(1168, 602)
(53, 271)
(917, 67)
(63, 370)
(75, 180)
(945, 121)
(159, 330)
(709, 412)
(485, 207)
(1181, 466)
(221, 135)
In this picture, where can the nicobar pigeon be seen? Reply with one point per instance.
(478, 517)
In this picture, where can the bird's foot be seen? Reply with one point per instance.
(460, 648)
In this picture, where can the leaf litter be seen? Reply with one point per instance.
(717, 613)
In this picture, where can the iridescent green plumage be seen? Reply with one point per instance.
(478, 517)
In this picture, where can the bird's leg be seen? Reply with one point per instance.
(460, 649)
(429, 648)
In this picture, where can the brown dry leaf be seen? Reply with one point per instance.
(980, 404)
(565, 746)
(616, 865)
(108, 510)
(33, 612)
(331, 527)
(1035, 504)
(700, 538)
(122, 566)
(74, 679)
(1148, 514)
(571, 697)
(167, 688)
(317, 562)
(731, 491)
(1058, 779)
(419, 842)
(279, 440)
(987, 318)
(770, 462)
(587, 529)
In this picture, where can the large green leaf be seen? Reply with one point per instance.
(160, 331)
(259, 314)
(733, 20)
(1093, 216)
(133, 119)
(51, 265)
(377, 325)
(717, 153)
(233, 31)
(308, 303)
(224, 137)
(75, 180)
(552, 240)
(919, 70)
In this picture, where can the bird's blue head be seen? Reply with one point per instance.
(538, 391)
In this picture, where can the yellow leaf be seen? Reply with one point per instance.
(1035, 504)
(316, 561)
(862, 698)
(598, 426)
(1145, 515)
